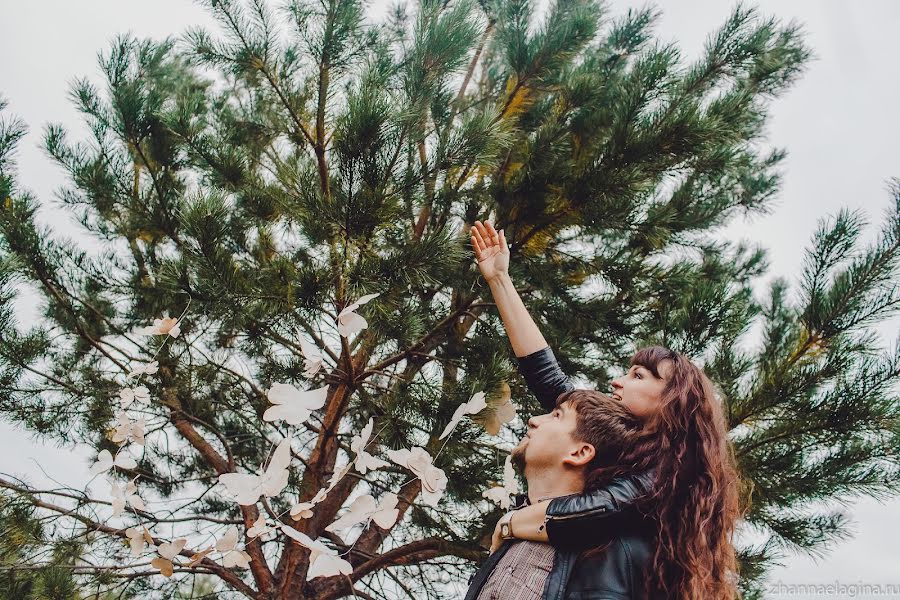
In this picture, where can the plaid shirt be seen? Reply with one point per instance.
(521, 573)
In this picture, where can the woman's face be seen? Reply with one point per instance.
(639, 390)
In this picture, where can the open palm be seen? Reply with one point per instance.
(490, 250)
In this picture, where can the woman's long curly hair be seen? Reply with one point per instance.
(695, 504)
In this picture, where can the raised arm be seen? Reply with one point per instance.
(544, 377)
(536, 361)
(493, 261)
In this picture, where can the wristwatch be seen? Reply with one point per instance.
(506, 531)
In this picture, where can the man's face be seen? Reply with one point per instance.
(549, 441)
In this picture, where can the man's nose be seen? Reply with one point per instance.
(616, 384)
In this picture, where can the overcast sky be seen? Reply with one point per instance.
(840, 125)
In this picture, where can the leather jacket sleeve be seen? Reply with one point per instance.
(544, 377)
(581, 520)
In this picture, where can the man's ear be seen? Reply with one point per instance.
(580, 455)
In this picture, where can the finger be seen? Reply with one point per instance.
(492, 233)
(476, 236)
(477, 247)
(483, 237)
(482, 233)
(503, 245)
(485, 231)
(476, 228)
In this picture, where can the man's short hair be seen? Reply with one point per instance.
(604, 423)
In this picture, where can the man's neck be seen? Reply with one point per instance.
(551, 483)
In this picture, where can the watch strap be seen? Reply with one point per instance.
(506, 531)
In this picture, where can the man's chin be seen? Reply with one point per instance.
(517, 455)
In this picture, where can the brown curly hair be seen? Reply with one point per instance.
(695, 503)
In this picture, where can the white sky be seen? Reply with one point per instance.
(840, 124)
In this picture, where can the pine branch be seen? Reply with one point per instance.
(408, 554)
(261, 573)
(224, 574)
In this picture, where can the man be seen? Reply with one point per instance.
(573, 444)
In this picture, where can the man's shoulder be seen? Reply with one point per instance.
(619, 568)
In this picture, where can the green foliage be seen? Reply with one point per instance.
(23, 546)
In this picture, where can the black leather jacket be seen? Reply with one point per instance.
(582, 521)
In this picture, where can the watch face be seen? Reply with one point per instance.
(504, 530)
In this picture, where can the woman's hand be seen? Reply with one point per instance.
(493, 260)
(490, 250)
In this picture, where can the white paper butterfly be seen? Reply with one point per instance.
(105, 462)
(312, 358)
(231, 555)
(128, 430)
(167, 553)
(324, 562)
(138, 539)
(129, 395)
(364, 507)
(260, 527)
(475, 405)
(417, 460)
(291, 405)
(364, 461)
(122, 494)
(349, 322)
(165, 326)
(149, 368)
(303, 510)
(247, 488)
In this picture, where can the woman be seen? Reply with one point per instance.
(680, 474)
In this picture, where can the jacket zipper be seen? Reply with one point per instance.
(575, 515)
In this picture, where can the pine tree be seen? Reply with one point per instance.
(264, 179)
(23, 535)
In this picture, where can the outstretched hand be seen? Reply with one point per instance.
(490, 250)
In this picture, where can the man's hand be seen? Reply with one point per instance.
(530, 524)
(490, 250)
(496, 540)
